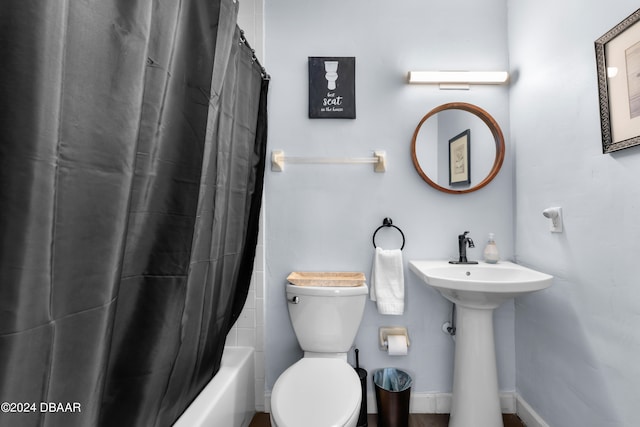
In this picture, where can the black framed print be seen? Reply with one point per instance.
(459, 158)
(332, 87)
(618, 63)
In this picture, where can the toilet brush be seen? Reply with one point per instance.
(362, 374)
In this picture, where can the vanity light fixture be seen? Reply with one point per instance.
(458, 79)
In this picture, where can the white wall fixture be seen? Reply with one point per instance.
(555, 215)
(278, 159)
(458, 79)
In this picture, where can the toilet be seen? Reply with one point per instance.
(321, 389)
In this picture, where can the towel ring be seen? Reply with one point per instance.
(387, 223)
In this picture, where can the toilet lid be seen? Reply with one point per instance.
(316, 392)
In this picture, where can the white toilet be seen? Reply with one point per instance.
(321, 389)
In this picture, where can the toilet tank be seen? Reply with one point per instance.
(326, 319)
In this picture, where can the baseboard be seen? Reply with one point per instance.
(267, 402)
(427, 403)
(440, 403)
(527, 414)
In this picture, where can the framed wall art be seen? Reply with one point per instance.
(332, 87)
(618, 64)
(460, 159)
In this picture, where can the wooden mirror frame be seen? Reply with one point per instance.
(498, 137)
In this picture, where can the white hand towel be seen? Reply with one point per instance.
(387, 281)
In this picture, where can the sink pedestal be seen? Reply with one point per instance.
(477, 290)
(475, 379)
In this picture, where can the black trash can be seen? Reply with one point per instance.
(393, 390)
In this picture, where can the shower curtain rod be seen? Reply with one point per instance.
(254, 58)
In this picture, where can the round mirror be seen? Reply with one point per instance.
(457, 148)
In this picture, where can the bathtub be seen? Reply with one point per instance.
(228, 400)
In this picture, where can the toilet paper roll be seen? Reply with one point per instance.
(397, 345)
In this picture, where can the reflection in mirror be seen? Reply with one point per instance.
(431, 147)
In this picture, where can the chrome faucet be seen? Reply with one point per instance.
(463, 241)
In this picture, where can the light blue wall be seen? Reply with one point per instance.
(578, 343)
(321, 217)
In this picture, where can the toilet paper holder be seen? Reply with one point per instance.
(385, 331)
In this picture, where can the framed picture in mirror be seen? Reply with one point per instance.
(459, 159)
(618, 66)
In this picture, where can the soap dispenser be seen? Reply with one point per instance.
(491, 250)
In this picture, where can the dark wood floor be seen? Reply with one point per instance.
(415, 420)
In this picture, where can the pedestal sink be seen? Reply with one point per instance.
(477, 289)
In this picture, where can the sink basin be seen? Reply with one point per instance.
(477, 289)
(480, 285)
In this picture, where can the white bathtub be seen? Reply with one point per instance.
(228, 400)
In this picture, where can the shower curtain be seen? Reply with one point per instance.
(132, 146)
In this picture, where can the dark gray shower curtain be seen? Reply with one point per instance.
(132, 146)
